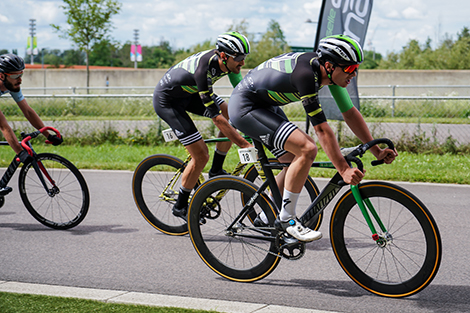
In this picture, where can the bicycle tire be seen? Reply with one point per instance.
(149, 181)
(410, 259)
(68, 205)
(226, 252)
(307, 195)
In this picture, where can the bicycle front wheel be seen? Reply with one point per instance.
(155, 186)
(406, 257)
(228, 243)
(65, 203)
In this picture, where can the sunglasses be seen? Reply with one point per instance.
(238, 57)
(349, 69)
(14, 75)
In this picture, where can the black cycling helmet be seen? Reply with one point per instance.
(233, 43)
(340, 49)
(11, 63)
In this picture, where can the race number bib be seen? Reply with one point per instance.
(169, 135)
(248, 155)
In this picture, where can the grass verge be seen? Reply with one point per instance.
(432, 168)
(26, 303)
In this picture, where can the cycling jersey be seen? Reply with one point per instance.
(281, 80)
(196, 74)
(17, 96)
(187, 87)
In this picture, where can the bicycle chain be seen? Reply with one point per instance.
(279, 254)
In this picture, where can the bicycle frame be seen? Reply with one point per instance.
(238, 169)
(321, 201)
(37, 165)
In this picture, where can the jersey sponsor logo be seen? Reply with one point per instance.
(265, 139)
(178, 133)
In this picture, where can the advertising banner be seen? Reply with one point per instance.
(347, 17)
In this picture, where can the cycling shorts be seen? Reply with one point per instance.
(174, 112)
(268, 124)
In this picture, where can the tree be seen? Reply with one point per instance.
(104, 53)
(89, 22)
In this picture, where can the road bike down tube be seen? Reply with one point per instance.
(383, 236)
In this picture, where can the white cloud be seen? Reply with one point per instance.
(412, 13)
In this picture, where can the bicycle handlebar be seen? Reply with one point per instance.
(28, 137)
(361, 149)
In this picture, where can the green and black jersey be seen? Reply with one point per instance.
(288, 78)
(196, 74)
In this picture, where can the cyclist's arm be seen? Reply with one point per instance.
(235, 78)
(327, 138)
(31, 116)
(356, 123)
(9, 134)
(342, 98)
(231, 133)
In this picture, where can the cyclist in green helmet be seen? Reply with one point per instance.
(255, 109)
(187, 87)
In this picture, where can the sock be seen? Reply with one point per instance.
(218, 161)
(289, 202)
(262, 215)
(183, 197)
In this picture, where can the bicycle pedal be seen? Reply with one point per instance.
(5, 190)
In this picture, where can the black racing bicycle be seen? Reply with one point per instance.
(52, 189)
(157, 179)
(383, 237)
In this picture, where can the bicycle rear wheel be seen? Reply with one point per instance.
(239, 252)
(307, 195)
(155, 186)
(407, 257)
(66, 202)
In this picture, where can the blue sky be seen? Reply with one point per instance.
(187, 22)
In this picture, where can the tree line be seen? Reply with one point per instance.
(452, 54)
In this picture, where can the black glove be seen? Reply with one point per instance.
(23, 156)
(55, 140)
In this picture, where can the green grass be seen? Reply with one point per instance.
(432, 168)
(25, 303)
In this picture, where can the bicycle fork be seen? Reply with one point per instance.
(363, 203)
(41, 172)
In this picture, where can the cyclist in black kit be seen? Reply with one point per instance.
(187, 87)
(254, 108)
(11, 71)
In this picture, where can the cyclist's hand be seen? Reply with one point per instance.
(352, 176)
(387, 155)
(54, 140)
(23, 156)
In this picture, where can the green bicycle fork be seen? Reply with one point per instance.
(360, 202)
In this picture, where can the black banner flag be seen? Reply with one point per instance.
(347, 17)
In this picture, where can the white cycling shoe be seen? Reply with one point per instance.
(294, 228)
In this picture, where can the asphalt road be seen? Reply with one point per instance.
(114, 248)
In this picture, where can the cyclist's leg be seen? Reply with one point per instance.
(221, 148)
(174, 113)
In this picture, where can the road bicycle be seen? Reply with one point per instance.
(384, 237)
(157, 179)
(52, 189)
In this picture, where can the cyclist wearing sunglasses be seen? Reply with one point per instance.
(255, 109)
(187, 87)
(11, 71)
